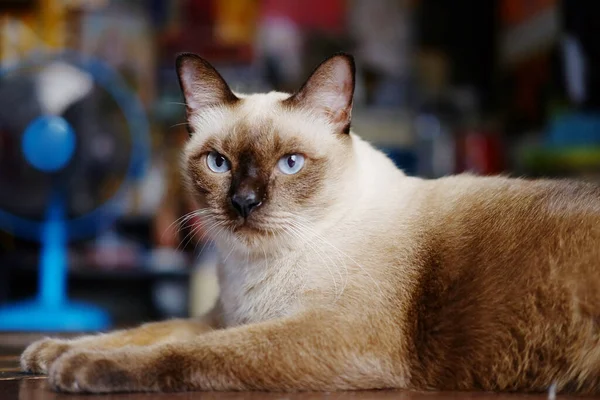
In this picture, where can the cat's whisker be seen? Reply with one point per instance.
(194, 231)
(190, 221)
(190, 235)
(217, 231)
(214, 228)
(303, 269)
(228, 254)
(342, 253)
(266, 258)
(338, 267)
(181, 220)
(339, 252)
(178, 124)
(306, 240)
(201, 239)
(307, 273)
(321, 255)
(204, 238)
(300, 226)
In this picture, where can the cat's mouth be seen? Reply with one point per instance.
(248, 227)
(253, 227)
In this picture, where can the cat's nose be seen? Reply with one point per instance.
(244, 203)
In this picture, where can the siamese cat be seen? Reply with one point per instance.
(339, 272)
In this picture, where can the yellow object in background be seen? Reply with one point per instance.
(235, 21)
(53, 23)
(17, 37)
(43, 28)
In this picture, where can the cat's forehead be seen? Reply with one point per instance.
(259, 124)
(216, 121)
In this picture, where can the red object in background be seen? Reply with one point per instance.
(195, 34)
(199, 13)
(195, 31)
(323, 15)
(514, 12)
(531, 77)
(480, 152)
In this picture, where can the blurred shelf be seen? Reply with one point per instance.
(384, 127)
(134, 274)
(28, 264)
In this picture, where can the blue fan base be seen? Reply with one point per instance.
(69, 317)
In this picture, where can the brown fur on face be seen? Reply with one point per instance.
(254, 133)
(254, 149)
(350, 275)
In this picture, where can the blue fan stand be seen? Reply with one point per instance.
(48, 144)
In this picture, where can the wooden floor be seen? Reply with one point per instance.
(15, 385)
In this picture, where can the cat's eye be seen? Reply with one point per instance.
(217, 162)
(291, 163)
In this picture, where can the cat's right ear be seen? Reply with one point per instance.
(329, 91)
(201, 84)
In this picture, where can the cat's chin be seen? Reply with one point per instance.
(252, 236)
(252, 231)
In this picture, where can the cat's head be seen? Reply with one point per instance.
(263, 168)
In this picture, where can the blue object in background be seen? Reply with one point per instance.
(48, 144)
(51, 311)
(574, 130)
(137, 124)
(404, 159)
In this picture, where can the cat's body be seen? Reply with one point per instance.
(507, 294)
(347, 274)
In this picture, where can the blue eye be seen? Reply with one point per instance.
(291, 164)
(217, 162)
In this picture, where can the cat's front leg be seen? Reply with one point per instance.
(314, 351)
(39, 356)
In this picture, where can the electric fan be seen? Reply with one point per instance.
(72, 140)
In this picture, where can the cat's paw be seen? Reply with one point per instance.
(91, 372)
(39, 356)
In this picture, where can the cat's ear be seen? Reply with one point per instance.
(330, 91)
(201, 84)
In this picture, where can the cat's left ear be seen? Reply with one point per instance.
(202, 86)
(330, 91)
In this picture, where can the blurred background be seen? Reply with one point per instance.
(493, 87)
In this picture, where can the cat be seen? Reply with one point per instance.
(339, 272)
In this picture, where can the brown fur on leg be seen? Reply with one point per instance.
(39, 356)
(314, 351)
